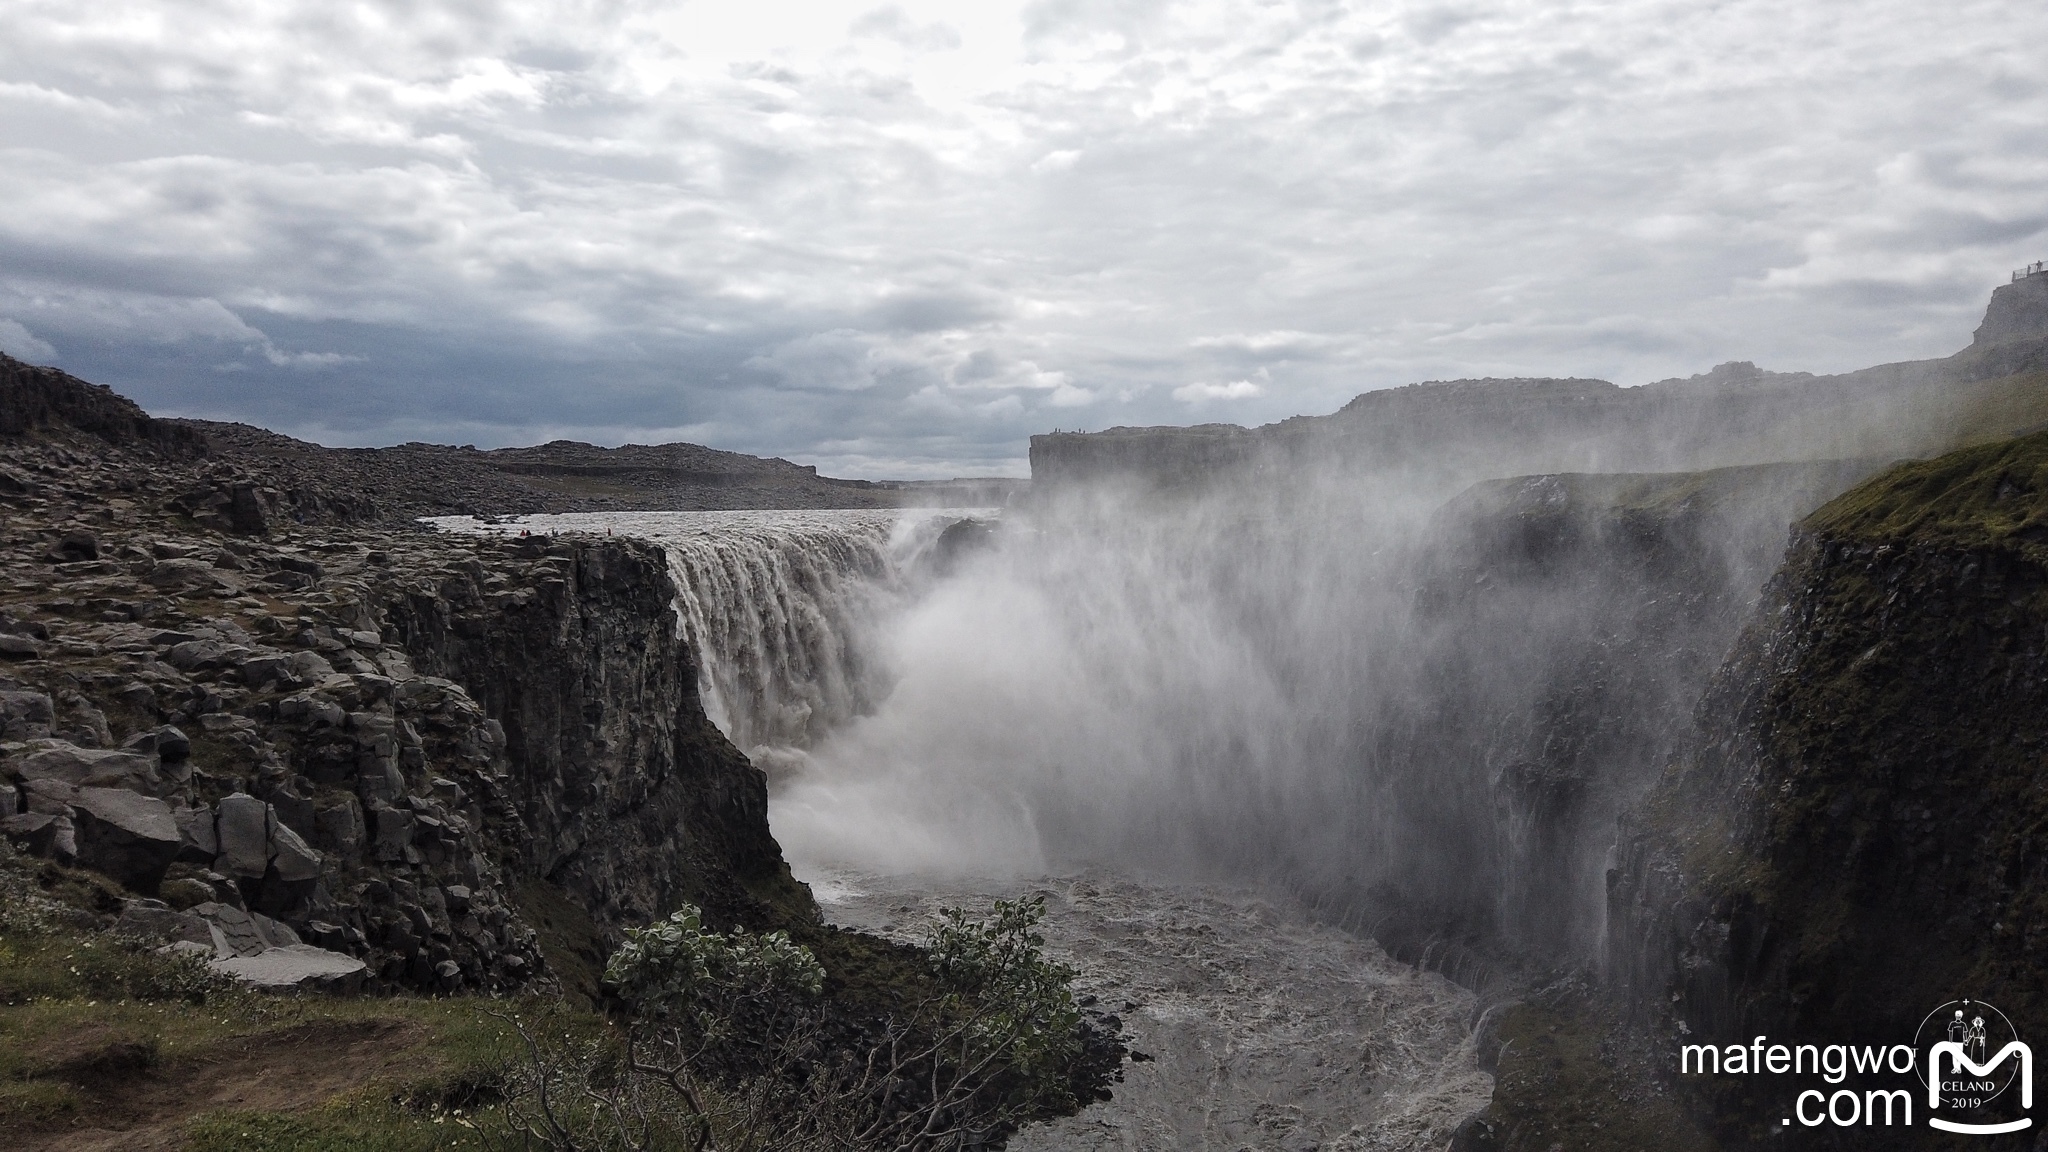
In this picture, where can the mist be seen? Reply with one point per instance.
(1410, 662)
(1416, 694)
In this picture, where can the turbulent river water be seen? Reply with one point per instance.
(1260, 1027)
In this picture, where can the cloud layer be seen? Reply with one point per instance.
(898, 240)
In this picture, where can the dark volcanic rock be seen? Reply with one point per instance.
(219, 703)
(1854, 839)
(33, 398)
(131, 837)
(634, 800)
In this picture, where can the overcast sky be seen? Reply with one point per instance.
(898, 240)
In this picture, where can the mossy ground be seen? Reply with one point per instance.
(1980, 496)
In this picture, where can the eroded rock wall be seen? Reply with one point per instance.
(1853, 837)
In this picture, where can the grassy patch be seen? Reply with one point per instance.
(1976, 496)
(100, 1032)
(343, 1126)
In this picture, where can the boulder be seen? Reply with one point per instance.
(239, 933)
(157, 919)
(259, 671)
(76, 545)
(183, 573)
(196, 654)
(172, 745)
(290, 855)
(41, 834)
(254, 842)
(244, 829)
(49, 797)
(393, 833)
(130, 837)
(19, 647)
(198, 841)
(296, 968)
(26, 715)
(87, 767)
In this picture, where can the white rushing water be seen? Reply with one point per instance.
(1258, 1028)
(933, 716)
(785, 608)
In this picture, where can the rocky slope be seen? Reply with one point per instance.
(280, 477)
(405, 760)
(412, 480)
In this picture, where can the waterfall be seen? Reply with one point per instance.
(783, 614)
(1417, 704)
(784, 609)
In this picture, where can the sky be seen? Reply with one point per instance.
(898, 240)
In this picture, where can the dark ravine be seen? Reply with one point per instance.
(1576, 621)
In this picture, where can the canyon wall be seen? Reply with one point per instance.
(1852, 838)
(447, 763)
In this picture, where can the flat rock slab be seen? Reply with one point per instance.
(295, 968)
(87, 767)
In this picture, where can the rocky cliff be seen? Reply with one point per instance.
(1573, 623)
(2018, 312)
(439, 762)
(1853, 840)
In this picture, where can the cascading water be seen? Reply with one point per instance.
(785, 609)
(1422, 712)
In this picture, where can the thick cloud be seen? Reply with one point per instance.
(897, 240)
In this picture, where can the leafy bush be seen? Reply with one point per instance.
(731, 1048)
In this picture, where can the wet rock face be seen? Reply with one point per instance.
(1853, 838)
(634, 801)
(1570, 625)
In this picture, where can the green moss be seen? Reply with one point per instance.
(1987, 494)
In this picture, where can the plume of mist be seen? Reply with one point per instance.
(1351, 656)
(1411, 660)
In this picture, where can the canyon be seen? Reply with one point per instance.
(1495, 722)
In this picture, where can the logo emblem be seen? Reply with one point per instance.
(1974, 1056)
